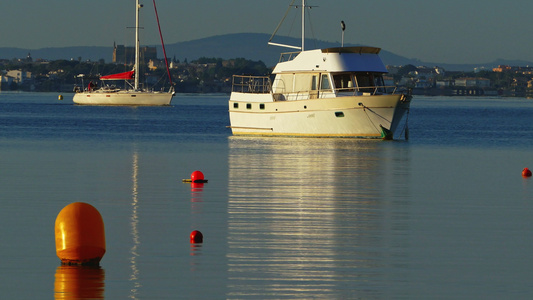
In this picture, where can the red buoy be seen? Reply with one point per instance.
(197, 175)
(526, 172)
(197, 237)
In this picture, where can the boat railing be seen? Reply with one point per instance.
(288, 56)
(281, 95)
(369, 90)
(251, 84)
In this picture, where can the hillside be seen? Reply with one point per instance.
(246, 45)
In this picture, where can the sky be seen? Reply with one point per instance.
(451, 31)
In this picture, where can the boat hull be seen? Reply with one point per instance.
(349, 116)
(123, 98)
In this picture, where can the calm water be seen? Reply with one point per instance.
(445, 215)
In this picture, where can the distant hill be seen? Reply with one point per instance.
(253, 46)
(92, 53)
(246, 45)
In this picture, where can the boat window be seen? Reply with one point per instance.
(248, 106)
(294, 83)
(365, 82)
(283, 83)
(303, 82)
(343, 82)
(235, 105)
(262, 106)
(324, 82)
(379, 82)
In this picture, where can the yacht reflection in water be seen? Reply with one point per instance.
(319, 218)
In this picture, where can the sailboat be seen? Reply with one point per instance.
(134, 95)
(333, 92)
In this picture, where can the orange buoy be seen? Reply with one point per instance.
(526, 172)
(80, 236)
(197, 237)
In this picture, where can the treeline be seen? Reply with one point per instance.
(498, 80)
(201, 75)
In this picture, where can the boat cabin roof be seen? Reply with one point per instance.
(341, 59)
(360, 50)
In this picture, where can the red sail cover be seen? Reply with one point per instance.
(119, 76)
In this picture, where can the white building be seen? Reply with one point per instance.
(444, 83)
(472, 82)
(19, 76)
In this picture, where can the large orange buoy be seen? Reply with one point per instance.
(196, 237)
(80, 236)
(526, 172)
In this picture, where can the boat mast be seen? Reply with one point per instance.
(303, 24)
(137, 8)
(303, 7)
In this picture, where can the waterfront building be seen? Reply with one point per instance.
(126, 55)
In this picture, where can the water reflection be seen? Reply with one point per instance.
(196, 192)
(134, 277)
(79, 282)
(197, 208)
(316, 217)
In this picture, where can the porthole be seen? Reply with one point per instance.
(339, 114)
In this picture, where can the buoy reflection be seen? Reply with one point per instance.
(196, 249)
(79, 282)
(196, 192)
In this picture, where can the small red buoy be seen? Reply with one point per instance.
(526, 172)
(79, 235)
(196, 177)
(197, 237)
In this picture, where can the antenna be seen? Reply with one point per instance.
(343, 27)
